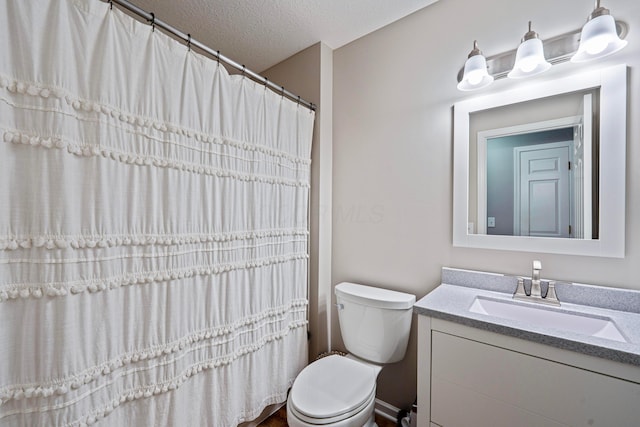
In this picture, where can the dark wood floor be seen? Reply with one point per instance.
(279, 419)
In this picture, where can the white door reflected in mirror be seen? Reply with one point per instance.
(542, 205)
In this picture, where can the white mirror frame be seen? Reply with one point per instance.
(612, 82)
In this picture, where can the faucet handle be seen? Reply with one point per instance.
(551, 296)
(537, 265)
(520, 292)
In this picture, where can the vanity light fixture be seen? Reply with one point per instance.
(530, 59)
(599, 37)
(475, 71)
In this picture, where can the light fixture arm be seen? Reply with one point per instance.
(530, 34)
(598, 11)
(475, 51)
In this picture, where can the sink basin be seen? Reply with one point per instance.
(580, 323)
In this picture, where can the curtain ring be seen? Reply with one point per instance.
(110, 4)
(282, 87)
(153, 22)
(265, 82)
(189, 42)
(218, 57)
(243, 75)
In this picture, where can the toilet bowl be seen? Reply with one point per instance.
(334, 391)
(337, 391)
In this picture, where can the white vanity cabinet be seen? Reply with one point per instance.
(469, 377)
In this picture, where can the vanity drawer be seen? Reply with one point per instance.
(477, 384)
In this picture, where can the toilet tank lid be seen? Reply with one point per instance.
(375, 297)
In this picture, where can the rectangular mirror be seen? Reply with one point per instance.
(541, 168)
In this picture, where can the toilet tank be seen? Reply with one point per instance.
(374, 322)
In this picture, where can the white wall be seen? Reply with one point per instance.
(392, 152)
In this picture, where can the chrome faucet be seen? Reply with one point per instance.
(535, 293)
(535, 279)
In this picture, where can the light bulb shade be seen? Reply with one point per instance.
(598, 39)
(530, 60)
(475, 74)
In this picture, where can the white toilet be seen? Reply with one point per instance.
(338, 391)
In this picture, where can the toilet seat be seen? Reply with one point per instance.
(356, 416)
(332, 389)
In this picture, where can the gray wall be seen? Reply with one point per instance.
(392, 152)
(309, 74)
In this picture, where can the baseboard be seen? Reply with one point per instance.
(386, 410)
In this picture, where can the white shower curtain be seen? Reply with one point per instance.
(153, 227)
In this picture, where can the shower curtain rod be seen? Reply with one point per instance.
(150, 17)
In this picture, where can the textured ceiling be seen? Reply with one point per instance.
(261, 33)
